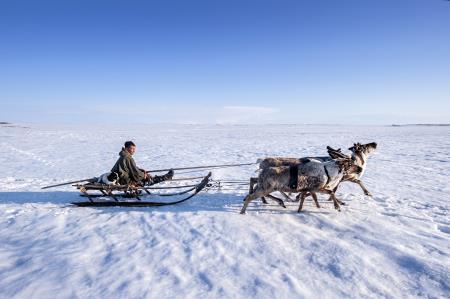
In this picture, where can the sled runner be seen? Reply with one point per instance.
(120, 195)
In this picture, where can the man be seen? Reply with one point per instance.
(129, 173)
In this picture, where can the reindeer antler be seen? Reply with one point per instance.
(336, 154)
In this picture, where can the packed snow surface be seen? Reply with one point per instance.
(393, 245)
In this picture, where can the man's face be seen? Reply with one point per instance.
(131, 149)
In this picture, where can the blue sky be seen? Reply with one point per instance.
(362, 62)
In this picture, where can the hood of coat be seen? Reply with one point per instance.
(124, 153)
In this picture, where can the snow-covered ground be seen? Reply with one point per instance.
(394, 245)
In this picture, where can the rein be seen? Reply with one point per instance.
(328, 175)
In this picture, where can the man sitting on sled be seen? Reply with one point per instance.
(126, 171)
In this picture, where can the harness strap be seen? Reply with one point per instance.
(328, 175)
(293, 177)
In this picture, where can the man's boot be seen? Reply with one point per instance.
(161, 178)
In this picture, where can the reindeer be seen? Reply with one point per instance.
(314, 176)
(282, 161)
(360, 154)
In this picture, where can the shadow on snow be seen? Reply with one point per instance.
(219, 202)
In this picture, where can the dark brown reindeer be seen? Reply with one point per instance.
(312, 176)
(360, 154)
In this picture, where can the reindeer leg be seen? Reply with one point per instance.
(251, 189)
(334, 191)
(252, 196)
(340, 201)
(333, 197)
(278, 200)
(286, 196)
(360, 183)
(336, 202)
(314, 196)
(300, 194)
(247, 200)
(252, 184)
(302, 199)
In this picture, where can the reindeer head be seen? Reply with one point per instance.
(365, 149)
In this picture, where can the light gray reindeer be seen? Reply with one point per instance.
(282, 161)
(313, 176)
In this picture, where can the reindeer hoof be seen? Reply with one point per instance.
(283, 206)
(342, 203)
(369, 194)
